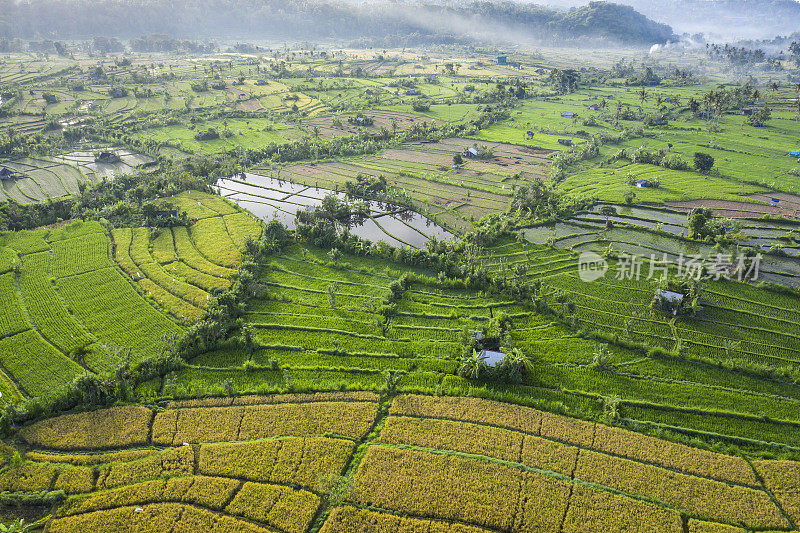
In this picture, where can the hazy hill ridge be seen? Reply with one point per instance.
(297, 20)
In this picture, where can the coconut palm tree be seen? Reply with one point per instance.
(514, 366)
(473, 366)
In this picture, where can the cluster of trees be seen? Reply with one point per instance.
(737, 55)
(645, 78)
(14, 145)
(541, 200)
(159, 42)
(715, 102)
(361, 119)
(660, 158)
(703, 225)
(206, 135)
(125, 200)
(564, 80)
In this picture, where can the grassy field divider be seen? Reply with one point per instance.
(345, 479)
(772, 497)
(518, 467)
(563, 442)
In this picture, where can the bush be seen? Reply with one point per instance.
(208, 135)
(703, 162)
(420, 106)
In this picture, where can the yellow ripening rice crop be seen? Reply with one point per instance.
(460, 489)
(175, 461)
(510, 416)
(698, 526)
(226, 424)
(75, 479)
(288, 460)
(87, 459)
(702, 497)
(782, 478)
(478, 439)
(470, 410)
(594, 511)
(284, 508)
(114, 427)
(197, 490)
(464, 437)
(153, 518)
(28, 477)
(671, 455)
(355, 396)
(348, 519)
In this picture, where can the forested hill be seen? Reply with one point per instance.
(731, 19)
(717, 19)
(412, 22)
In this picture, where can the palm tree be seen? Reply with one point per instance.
(473, 366)
(708, 99)
(601, 360)
(617, 113)
(335, 254)
(514, 366)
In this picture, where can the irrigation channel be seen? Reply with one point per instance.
(273, 199)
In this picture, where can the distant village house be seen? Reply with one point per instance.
(107, 157)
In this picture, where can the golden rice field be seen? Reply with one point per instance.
(357, 461)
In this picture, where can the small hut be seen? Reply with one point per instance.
(492, 358)
(668, 301)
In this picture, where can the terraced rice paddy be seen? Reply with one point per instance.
(345, 462)
(40, 179)
(648, 232)
(338, 399)
(454, 197)
(272, 199)
(329, 126)
(318, 327)
(63, 292)
(730, 312)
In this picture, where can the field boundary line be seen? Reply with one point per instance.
(186, 504)
(550, 474)
(564, 443)
(770, 494)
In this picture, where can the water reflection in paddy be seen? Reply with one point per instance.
(272, 199)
